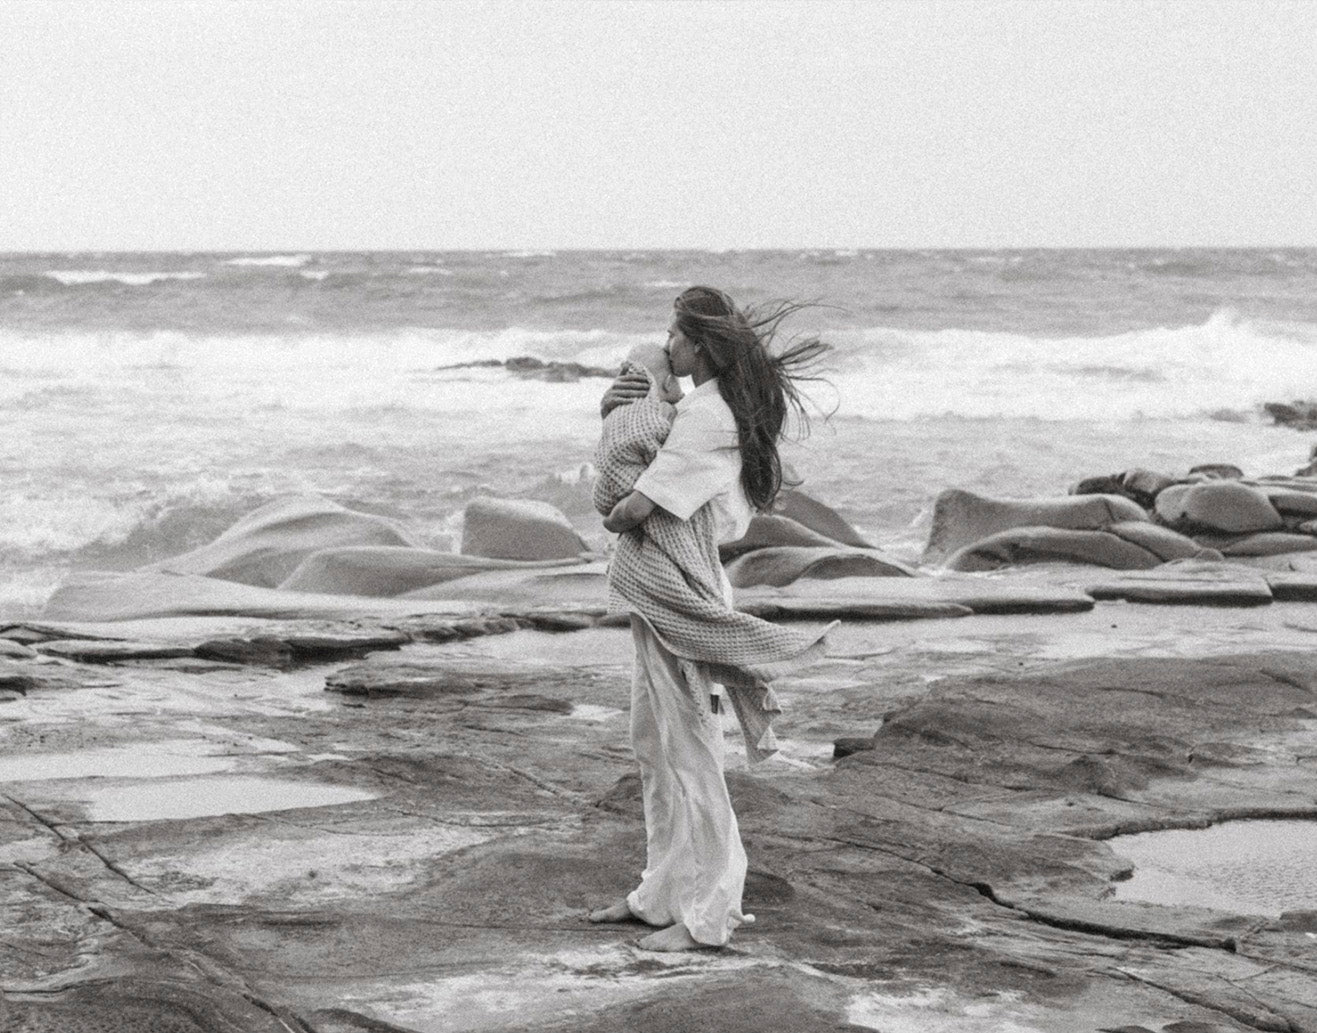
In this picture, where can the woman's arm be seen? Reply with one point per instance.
(630, 512)
(627, 388)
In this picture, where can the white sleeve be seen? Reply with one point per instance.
(700, 459)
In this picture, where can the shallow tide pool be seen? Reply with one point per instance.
(202, 797)
(1262, 867)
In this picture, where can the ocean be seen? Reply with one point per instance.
(149, 400)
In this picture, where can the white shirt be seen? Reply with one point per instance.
(701, 462)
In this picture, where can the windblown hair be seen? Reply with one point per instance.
(758, 383)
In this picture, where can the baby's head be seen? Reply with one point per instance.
(654, 358)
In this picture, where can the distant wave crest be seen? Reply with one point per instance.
(83, 277)
(286, 261)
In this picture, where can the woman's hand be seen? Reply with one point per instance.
(631, 512)
(627, 388)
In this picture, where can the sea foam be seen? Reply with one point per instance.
(82, 277)
(271, 260)
(1224, 363)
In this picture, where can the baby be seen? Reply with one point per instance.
(633, 434)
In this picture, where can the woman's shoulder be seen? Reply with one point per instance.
(706, 406)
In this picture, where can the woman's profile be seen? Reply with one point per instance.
(675, 482)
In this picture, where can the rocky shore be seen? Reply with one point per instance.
(237, 797)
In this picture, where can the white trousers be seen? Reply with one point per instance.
(694, 864)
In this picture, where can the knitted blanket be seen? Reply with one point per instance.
(667, 572)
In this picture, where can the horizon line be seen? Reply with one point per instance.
(546, 249)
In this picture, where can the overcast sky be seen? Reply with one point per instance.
(563, 123)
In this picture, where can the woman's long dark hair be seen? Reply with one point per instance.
(758, 384)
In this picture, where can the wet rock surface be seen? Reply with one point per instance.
(416, 848)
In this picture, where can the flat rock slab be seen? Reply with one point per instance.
(953, 874)
(847, 606)
(1184, 593)
(16, 650)
(1300, 588)
(96, 651)
(914, 597)
(118, 597)
(1189, 583)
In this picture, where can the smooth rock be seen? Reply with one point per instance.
(1102, 484)
(1162, 542)
(811, 513)
(387, 571)
(1218, 506)
(1280, 482)
(1294, 503)
(1138, 485)
(961, 518)
(1143, 486)
(767, 531)
(573, 587)
(1049, 544)
(1218, 471)
(1270, 543)
(265, 546)
(519, 529)
(781, 565)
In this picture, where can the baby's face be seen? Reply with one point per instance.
(655, 359)
(667, 387)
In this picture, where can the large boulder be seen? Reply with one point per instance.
(1223, 506)
(1141, 486)
(1162, 542)
(267, 545)
(768, 531)
(781, 565)
(1216, 472)
(580, 586)
(391, 570)
(1290, 503)
(961, 518)
(519, 529)
(813, 514)
(1020, 545)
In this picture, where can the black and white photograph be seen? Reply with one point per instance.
(658, 516)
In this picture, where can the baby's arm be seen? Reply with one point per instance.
(631, 512)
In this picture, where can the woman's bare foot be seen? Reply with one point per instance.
(618, 912)
(673, 938)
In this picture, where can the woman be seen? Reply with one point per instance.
(718, 465)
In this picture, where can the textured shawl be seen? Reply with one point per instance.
(667, 572)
